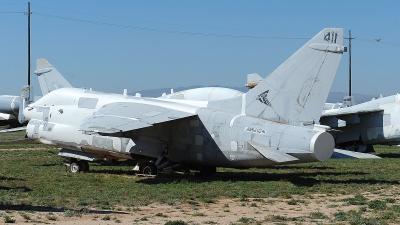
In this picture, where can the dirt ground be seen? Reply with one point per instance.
(291, 210)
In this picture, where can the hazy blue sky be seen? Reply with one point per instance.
(111, 45)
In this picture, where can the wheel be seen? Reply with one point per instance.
(86, 165)
(148, 169)
(75, 167)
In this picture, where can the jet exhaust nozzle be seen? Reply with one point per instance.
(322, 145)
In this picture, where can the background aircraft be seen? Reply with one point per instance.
(359, 127)
(7, 119)
(10, 108)
(10, 105)
(274, 123)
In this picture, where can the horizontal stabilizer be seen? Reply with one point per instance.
(125, 116)
(339, 153)
(253, 80)
(272, 153)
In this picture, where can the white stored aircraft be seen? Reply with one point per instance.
(273, 123)
(11, 106)
(359, 127)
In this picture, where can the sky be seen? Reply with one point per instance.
(140, 45)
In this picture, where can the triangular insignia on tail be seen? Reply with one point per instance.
(263, 98)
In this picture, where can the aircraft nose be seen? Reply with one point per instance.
(28, 112)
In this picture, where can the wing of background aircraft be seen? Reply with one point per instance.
(359, 127)
(349, 111)
(350, 115)
(344, 116)
(8, 120)
(13, 129)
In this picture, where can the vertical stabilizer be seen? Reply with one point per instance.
(296, 91)
(49, 78)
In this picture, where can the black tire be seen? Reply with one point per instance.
(148, 169)
(75, 167)
(84, 165)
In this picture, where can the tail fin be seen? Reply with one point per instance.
(49, 78)
(296, 91)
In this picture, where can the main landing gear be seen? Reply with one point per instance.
(148, 168)
(76, 166)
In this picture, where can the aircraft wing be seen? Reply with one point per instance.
(20, 141)
(349, 111)
(13, 129)
(126, 116)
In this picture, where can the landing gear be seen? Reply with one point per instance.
(84, 164)
(109, 161)
(148, 168)
(76, 166)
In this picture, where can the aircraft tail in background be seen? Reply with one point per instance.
(49, 78)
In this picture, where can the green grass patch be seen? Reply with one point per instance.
(8, 219)
(357, 200)
(176, 222)
(246, 220)
(377, 204)
(318, 215)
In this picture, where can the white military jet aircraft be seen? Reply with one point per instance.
(359, 127)
(273, 123)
